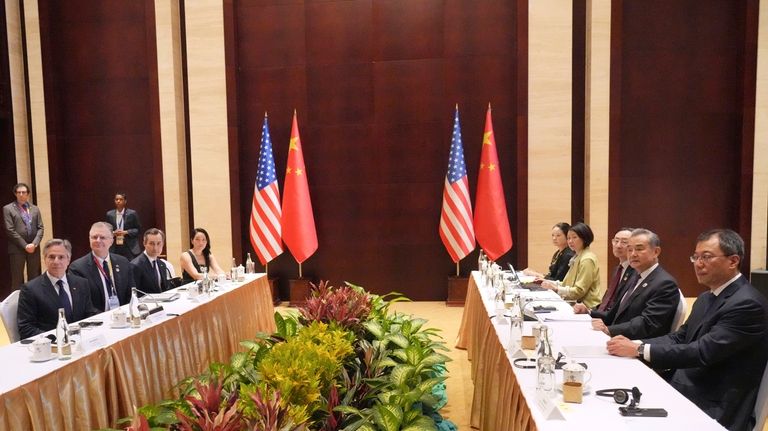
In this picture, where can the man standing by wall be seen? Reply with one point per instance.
(126, 226)
(24, 228)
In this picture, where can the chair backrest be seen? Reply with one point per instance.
(761, 405)
(682, 306)
(8, 313)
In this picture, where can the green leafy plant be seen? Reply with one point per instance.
(344, 362)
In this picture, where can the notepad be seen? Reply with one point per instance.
(160, 297)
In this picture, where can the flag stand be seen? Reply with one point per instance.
(457, 289)
(300, 290)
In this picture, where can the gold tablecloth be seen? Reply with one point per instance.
(94, 391)
(497, 402)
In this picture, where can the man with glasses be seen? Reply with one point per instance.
(620, 277)
(41, 298)
(718, 356)
(24, 229)
(110, 275)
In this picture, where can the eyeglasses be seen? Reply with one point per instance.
(705, 258)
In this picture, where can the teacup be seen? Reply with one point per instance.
(41, 349)
(574, 372)
(119, 317)
(222, 278)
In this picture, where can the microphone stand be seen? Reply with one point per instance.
(144, 310)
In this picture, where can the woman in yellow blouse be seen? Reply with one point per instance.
(582, 282)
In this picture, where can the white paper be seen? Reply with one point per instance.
(585, 351)
(558, 316)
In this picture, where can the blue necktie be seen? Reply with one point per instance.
(64, 301)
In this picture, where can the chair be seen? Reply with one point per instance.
(682, 307)
(8, 313)
(761, 405)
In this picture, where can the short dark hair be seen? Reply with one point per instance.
(56, 241)
(125, 196)
(153, 231)
(583, 231)
(19, 185)
(730, 242)
(628, 229)
(653, 239)
(563, 226)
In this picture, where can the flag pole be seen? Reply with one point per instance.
(266, 269)
(299, 271)
(457, 270)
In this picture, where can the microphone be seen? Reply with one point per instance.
(144, 309)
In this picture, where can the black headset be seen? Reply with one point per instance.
(621, 396)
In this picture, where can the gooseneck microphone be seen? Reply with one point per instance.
(144, 309)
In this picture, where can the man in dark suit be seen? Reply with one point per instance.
(24, 229)
(41, 298)
(647, 304)
(621, 275)
(126, 227)
(110, 275)
(718, 356)
(149, 270)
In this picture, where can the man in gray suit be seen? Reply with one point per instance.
(24, 229)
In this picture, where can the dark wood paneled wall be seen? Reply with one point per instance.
(682, 107)
(8, 150)
(100, 72)
(374, 84)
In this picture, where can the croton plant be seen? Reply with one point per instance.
(343, 363)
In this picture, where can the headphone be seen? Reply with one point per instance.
(621, 396)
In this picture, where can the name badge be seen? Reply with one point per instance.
(112, 303)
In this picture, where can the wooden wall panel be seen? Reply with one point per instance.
(7, 148)
(100, 69)
(679, 74)
(374, 85)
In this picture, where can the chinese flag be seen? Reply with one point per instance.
(490, 220)
(297, 219)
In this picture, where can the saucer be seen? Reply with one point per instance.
(114, 325)
(586, 389)
(33, 359)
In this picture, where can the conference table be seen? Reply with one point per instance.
(124, 368)
(505, 396)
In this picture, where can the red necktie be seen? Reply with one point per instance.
(611, 292)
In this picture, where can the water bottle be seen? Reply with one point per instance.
(134, 314)
(250, 267)
(233, 271)
(205, 285)
(545, 364)
(63, 346)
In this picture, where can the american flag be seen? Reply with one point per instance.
(456, 229)
(265, 208)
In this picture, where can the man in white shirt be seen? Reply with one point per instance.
(150, 272)
(718, 356)
(41, 297)
(110, 275)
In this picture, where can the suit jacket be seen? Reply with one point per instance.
(649, 310)
(559, 266)
(39, 304)
(16, 230)
(628, 275)
(719, 354)
(132, 225)
(123, 278)
(146, 277)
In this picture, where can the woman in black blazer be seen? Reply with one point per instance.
(559, 265)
